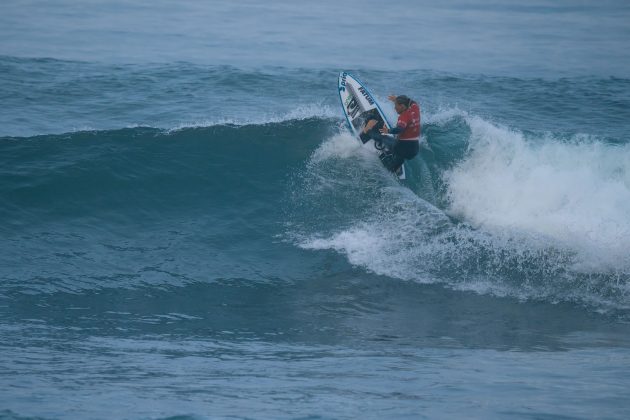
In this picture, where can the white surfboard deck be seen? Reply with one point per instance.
(359, 106)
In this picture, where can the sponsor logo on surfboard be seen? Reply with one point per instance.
(352, 107)
(367, 96)
(342, 84)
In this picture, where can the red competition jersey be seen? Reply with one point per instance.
(409, 122)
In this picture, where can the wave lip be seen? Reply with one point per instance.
(299, 113)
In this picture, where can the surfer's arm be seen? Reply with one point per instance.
(396, 130)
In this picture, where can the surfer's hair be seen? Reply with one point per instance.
(403, 100)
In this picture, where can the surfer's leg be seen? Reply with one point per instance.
(401, 151)
(406, 149)
(398, 162)
(392, 161)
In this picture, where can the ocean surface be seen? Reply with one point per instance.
(188, 230)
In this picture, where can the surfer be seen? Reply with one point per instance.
(406, 141)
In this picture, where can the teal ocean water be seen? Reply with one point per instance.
(188, 230)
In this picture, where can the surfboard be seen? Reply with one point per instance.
(359, 106)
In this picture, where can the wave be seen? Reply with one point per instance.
(143, 207)
(98, 171)
(486, 208)
(533, 216)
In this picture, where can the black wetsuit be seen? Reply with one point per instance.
(397, 150)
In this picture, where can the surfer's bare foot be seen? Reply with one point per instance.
(369, 125)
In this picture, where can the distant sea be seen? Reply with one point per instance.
(189, 231)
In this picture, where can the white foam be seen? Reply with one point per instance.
(391, 240)
(342, 145)
(576, 193)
